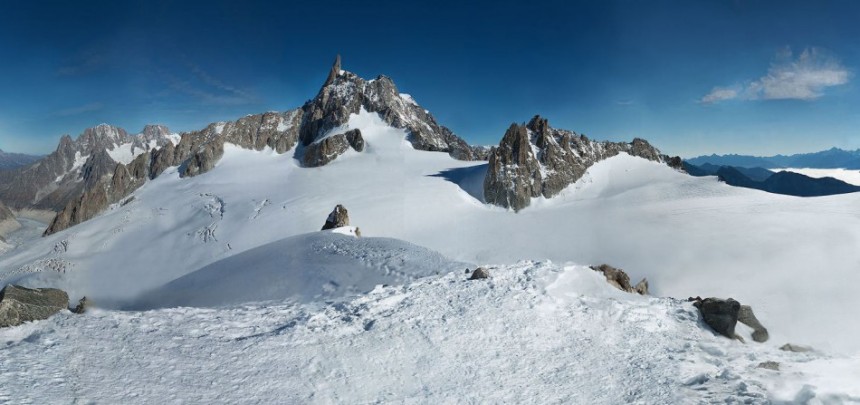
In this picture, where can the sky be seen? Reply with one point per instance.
(700, 77)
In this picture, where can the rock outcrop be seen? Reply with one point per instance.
(748, 318)
(620, 280)
(323, 151)
(721, 315)
(479, 274)
(534, 160)
(204, 159)
(84, 304)
(19, 304)
(337, 218)
(196, 153)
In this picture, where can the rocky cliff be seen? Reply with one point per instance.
(76, 165)
(534, 160)
(195, 153)
(344, 93)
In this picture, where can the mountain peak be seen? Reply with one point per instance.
(155, 131)
(334, 72)
(345, 93)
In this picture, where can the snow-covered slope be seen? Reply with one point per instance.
(794, 260)
(311, 267)
(532, 333)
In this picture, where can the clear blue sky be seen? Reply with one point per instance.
(693, 77)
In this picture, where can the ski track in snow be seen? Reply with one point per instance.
(534, 332)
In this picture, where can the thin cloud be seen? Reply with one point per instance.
(718, 94)
(210, 90)
(803, 78)
(77, 110)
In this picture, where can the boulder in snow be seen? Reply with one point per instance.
(19, 304)
(479, 274)
(721, 315)
(641, 287)
(747, 317)
(83, 306)
(769, 365)
(337, 218)
(621, 280)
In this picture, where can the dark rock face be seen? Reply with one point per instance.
(535, 160)
(337, 218)
(325, 150)
(721, 315)
(196, 153)
(84, 304)
(161, 160)
(748, 318)
(19, 304)
(108, 189)
(479, 274)
(620, 280)
(204, 159)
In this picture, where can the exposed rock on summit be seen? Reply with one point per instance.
(337, 218)
(620, 280)
(721, 315)
(344, 93)
(534, 160)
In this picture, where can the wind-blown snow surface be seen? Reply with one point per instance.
(794, 260)
(532, 333)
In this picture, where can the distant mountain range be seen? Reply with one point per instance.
(14, 160)
(783, 182)
(833, 158)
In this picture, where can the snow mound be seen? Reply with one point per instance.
(311, 267)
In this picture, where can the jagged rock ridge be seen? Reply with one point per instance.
(75, 166)
(195, 153)
(534, 160)
(342, 94)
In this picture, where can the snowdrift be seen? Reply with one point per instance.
(531, 333)
(318, 266)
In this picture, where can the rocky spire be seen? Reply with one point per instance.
(335, 70)
(539, 160)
